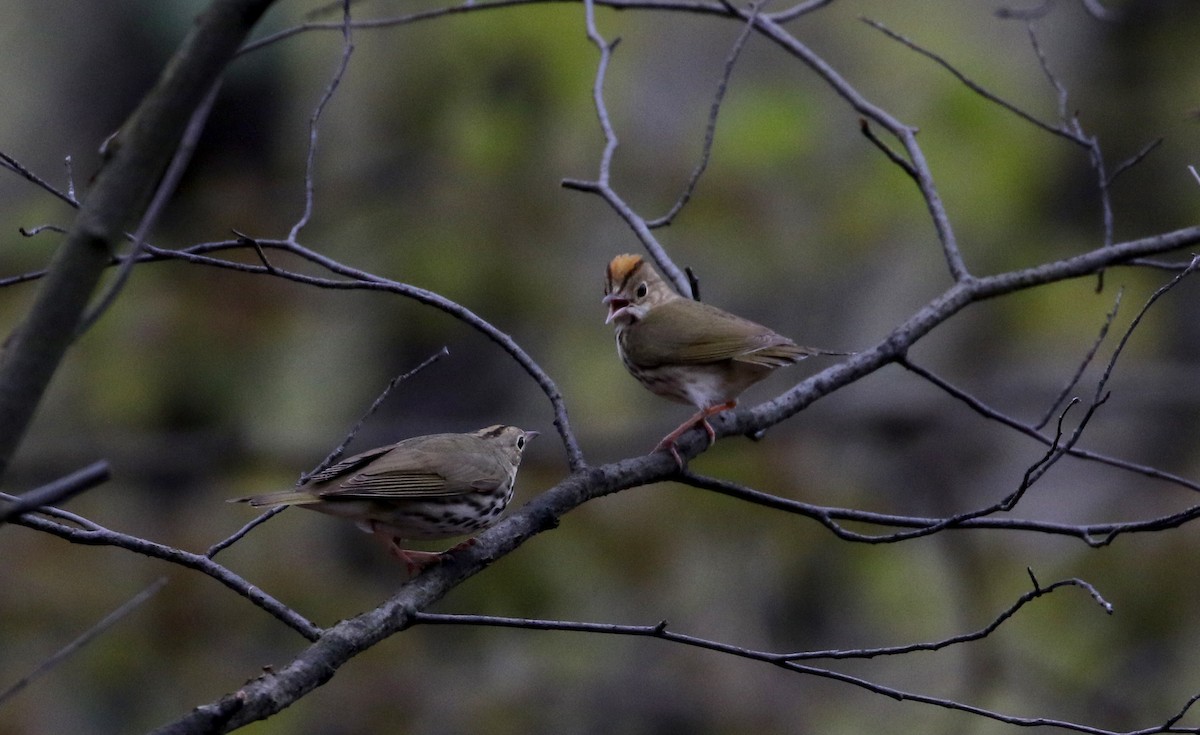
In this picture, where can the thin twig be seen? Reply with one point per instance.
(1033, 13)
(1137, 320)
(13, 165)
(246, 240)
(59, 515)
(710, 129)
(35, 231)
(661, 629)
(1135, 159)
(601, 185)
(98, 535)
(85, 638)
(1083, 365)
(707, 7)
(162, 193)
(1027, 429)
(971, 84)
(797, 10)
(906, 134)
(791, 661)
(1060, 90)
(1093, 534)
(865, 128)
(241, 533)
(69, 166)
(315, 119)
(1071, 124)
(338, 451)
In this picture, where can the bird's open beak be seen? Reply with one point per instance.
(615, 304)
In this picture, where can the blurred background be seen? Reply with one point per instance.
(439, 165)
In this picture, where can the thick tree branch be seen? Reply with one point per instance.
(134, 162)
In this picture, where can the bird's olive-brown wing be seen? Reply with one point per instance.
(689, 332)
(436, 466)
(348, 466)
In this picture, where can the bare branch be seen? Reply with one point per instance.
(904, 133)
(1137, 320)
(165, 189)
(1093, 534)
(85, 638)
(1060, 131)
(1034, 432)
(469, 6)
(243, 531)
(97, 535)
(147, 142)
(314, 124)
(10, 163)
(710, 129)
(56, 492)
(601, 185)
(1087, 360)
(59, 514)
(337, 453)
(797, 10)
(661, 630)
(35, 231)
(1060, 90)
(790, 661)
(1135, 159)
(895, 157)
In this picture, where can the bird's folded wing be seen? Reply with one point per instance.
(393, 485)
(348, 465)
(683, 332)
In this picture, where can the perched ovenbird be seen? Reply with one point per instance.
(685, 350)
(423, 488)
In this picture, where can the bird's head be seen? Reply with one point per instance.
(631, 288)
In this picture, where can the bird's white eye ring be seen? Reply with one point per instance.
(642, 289)
(521, 442)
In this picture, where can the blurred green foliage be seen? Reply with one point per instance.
(439, 164)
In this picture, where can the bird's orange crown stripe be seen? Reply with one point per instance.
(622, 266)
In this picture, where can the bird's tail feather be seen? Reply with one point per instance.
(286, 497)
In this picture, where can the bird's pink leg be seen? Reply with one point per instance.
(701, 417)
(414, 561)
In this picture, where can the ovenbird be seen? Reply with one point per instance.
(424, 487)
(685, 350)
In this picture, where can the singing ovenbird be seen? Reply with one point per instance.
(685, 350)
(422, 488)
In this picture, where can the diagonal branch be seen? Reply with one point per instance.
(97, 535)
(146, 143)
(83, 639)
(56, 492)
(710, 131)
(601, 185)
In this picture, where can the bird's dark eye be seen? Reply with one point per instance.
(641, 290)
(521, 442)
